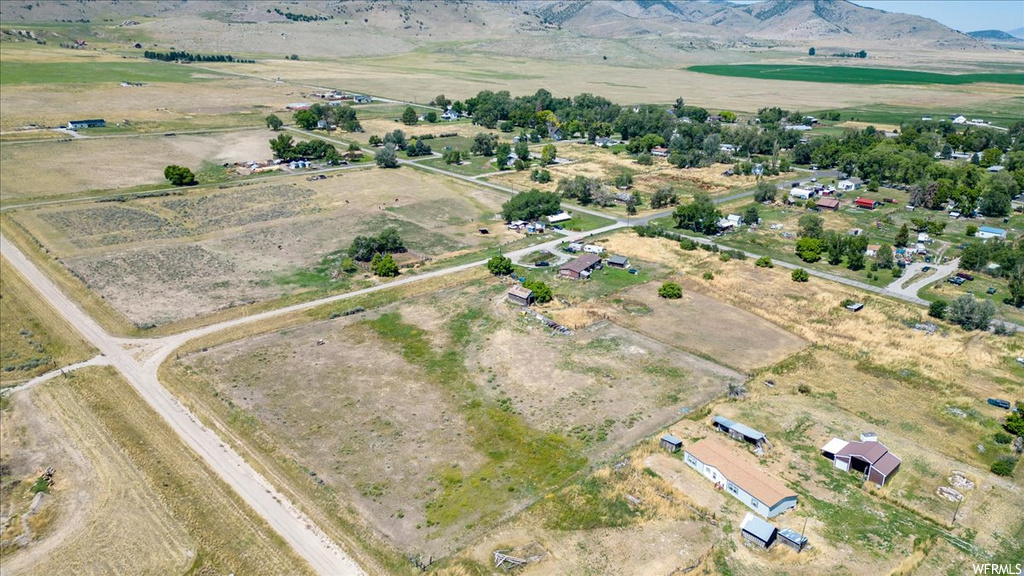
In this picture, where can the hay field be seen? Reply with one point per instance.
(35, 338)
(125, 485)
(158, 260)
(393, 426)
(77, 165)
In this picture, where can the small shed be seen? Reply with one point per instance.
(758, 531)
(855, 306)
(793, 539)
(828, 203)
(865, 203)
(521, 295)
(738, 431)
(671, 443)
(618, 262)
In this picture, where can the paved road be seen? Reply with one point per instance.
(293, 526)
(909, 292)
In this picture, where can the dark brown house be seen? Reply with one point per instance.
(580, 267)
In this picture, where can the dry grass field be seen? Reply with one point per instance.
(35, 339)
(79, 165)
(129, 498)
(382, 433)
(594, 162)
(157, 260)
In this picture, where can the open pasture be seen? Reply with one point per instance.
(161, 259)
(57, 168)
(402, 419)
(35, 339)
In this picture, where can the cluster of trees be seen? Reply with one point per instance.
(484, 144)
(966, 311)
(342, 116)
(409, 116)
(815, 242)
(663, 197)
(500, 266)
(364, 248)
(384, 265)
(586, 191)
(179, 175)
(418, 148)
(700, 215)
(285, 148)
(860, 54)
(301, 17)
(387, 157)
(531, 205)
(176, 56)
(542, 293)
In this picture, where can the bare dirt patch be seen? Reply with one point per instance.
(33, 169)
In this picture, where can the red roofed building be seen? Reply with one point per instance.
(865, 203)
(870, 458)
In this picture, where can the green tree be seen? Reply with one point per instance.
(531, 205)
(811, 226)
(409, 116)
(385, 266)
(765, 191)
(500, 266)
(387, 157)
(540, 175)
(541, 292)
(523, 150)
(764, 262)
(1015, 422)
(306, 119)
(274, 123)
(430, 117)
(664, 196)
(484, 144)
(971, 230)
(671, 291)
(1016, 285)
(800, 275)
(700, 215)
(808, 249)
(884, 257)
(990, 157)
(903, 236)
(441, 102)
(547, 154)
(751, 215)
(452, 157)
(501, 154)
(179, 175)
(623, 179)
(937, 309)
(375, 141)
(812, 51)
(282, 146)
(645, 159)
(1004, 466)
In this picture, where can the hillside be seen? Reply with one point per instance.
(380, 27)
(994, 36)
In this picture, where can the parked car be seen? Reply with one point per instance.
(964, 275)
(543, 264)
(991, 290)
(926, 268)
(956, 280)
(999, 403)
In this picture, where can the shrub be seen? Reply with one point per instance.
(670, 290)
(971, 230)
(800, 275)
(645, 159)
(1002, 438)
(803, 388)
(725, 256)
(937, 309)
(709, 275)
(541, 291)
(179, 175)
(971, 313)
(687, 244)
(1004, 466)
(764, 262)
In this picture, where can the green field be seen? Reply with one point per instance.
(852, 74)
(96, 72)
(1002, 113)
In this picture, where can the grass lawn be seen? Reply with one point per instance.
(851, 74)
(582, 222)
(14, 72)
(473, 166)
(1001, 113)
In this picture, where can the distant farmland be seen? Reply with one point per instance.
(852, 75)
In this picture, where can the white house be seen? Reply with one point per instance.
(730, 221)
(740, 476)
(449, 115)
(801, 193)
(959, 119)
(560, 217)
(593, 248)
(990, 232)
(847, 185)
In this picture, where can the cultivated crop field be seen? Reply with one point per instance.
(78, 165)
(852, 74)
(401, 421)
(35, 339)
(161, 259)
(124, 484)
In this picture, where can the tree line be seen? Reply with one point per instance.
(176, 56)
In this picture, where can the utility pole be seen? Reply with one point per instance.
(802, 539)
(955, 512)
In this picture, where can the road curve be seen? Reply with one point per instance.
(323, 555)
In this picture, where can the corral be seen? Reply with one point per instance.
(161, 259)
